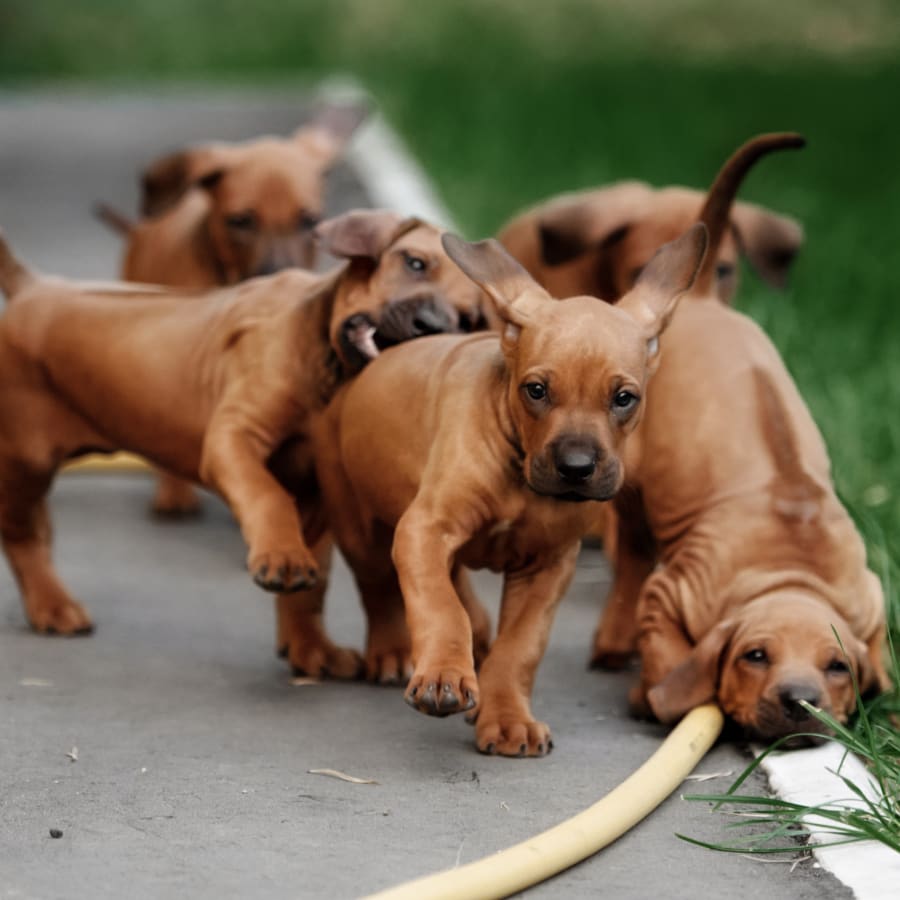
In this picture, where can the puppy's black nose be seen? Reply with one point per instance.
(790, 696)
(575, 461)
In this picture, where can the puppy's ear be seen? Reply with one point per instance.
(668, 275)
(363, 233)
(695, 681)
(329, 131)
(165, 181)
(769, 241)
(500, 276)
(576, 223)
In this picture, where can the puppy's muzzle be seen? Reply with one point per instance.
(414, 317)
(792, 695)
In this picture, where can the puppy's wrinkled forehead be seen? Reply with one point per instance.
(579, 332)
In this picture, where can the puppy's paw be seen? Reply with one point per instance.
(388, 653)
(508, 737)
(63, 616)
(283, 570)
(442, 691)
(322, 659)
(389, 667)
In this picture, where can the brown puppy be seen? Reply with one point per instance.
(485, 451)
(216, 387)
(598, 241)
(734, 558)
(219, 213)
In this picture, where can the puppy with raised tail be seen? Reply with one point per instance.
(737, 570)
(488, 451)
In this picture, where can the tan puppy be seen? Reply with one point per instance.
(598, 241)
(733, 552)
(217, 387)
(485, 451)
(219, 213)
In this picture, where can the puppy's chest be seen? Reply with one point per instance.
(537, 530)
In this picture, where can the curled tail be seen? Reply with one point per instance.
(13, 274)
(117, 221)
(716, 210)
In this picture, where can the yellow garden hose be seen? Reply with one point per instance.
(550, 852)
(100, 462)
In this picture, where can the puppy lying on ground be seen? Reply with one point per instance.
(598, 241)
(734, 558)
(487, 451)
(212, 386)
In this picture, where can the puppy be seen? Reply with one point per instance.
(743, 575)
(214, 387)
(488, 451)
(216, 214)
(598, 241)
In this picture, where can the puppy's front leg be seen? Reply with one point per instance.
(505, 724)
(234, 463)
(443, 679)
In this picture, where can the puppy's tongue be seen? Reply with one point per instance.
(362, 336)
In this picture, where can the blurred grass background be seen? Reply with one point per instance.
(508, 101)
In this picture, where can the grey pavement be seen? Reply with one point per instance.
(194, 747)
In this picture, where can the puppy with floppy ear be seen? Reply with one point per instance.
(598, 241)
(736, 567)
(488, 451)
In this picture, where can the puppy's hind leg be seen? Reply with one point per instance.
(388, 644)
(26, 535)
(300, 630)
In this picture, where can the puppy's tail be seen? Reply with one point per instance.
(716, 210)
(115, 220)
(13, 273)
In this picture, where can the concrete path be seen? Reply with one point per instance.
(193, 746)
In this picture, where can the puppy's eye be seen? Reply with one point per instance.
(838, 667)
(757, 655)
(415, 264)
(724, 270)
(245, 221)
(624, 401)
(536, 390)
(307, 221)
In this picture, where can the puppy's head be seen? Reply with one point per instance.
(577, 369)
(264, 196)
(399, 285)
(598, 242)
(770, 655)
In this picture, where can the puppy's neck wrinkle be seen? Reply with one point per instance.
(323, 372)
